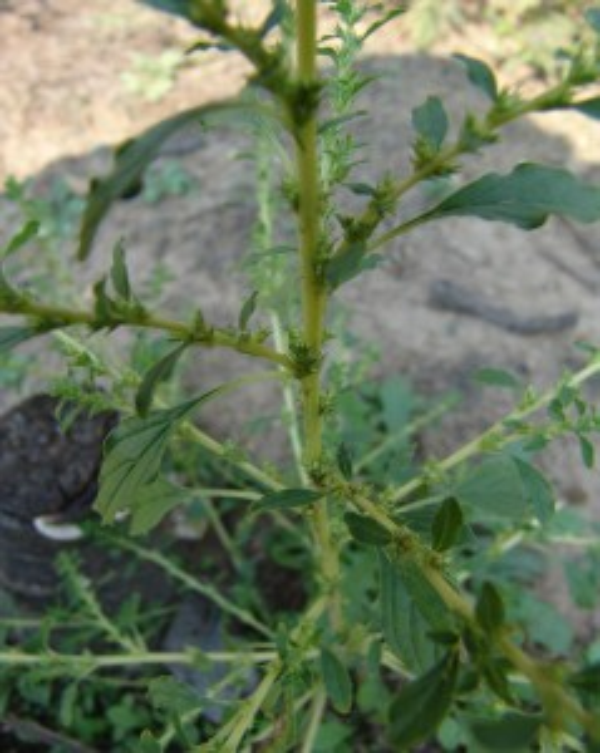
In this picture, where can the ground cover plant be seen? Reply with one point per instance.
(413, 621)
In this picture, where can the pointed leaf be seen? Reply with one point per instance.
(404, 628)
(132, 159)
(274, 18)
(152, 502)
(587, 450)
(350, 264)
(366, 530)
(119, 273)
(431, 122)
(498, 378)
(480, 75)
(489, 610)
(422, 704)
(338, 682)
(134, 452)
(161, 371)
(447, 525)
(248, 309)
(525, 198)
(289, 498)
(29, 230)
(345, 461)
(13, 336)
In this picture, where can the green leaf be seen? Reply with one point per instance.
(132, 159)
(447, 525)
(489, 609)
(274, 18)
(366, 530)
(513, 733)
(338, 682)
(288, 498)
(495, 488)
(431, 122)
(537, 489)
(168, 694)
(403, 626)
(349, 265)
(498, 378)
(134, 452)
(29, 230)
(480, 75)
(248, 308)
(161, 371)
(428, 601)
(587, 450)
(10, 337)
(345, 461)
(119, 273)
(152, 502)
(422, 705)
(525, 198)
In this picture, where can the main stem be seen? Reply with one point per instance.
(314, 297)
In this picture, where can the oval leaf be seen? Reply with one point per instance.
(446, 526)
(366, 530)
(489, 610)
(338, 682)
(494, 488)
(431, 122)
(526, 197)
(480, 75)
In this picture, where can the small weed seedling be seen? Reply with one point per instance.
(414, 622)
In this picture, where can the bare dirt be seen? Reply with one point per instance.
(64, 101)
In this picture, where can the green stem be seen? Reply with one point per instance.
(314, 295)
(477, 445)
(133, 658)
(53, 317)
(372, 216)
(194, 584)
(316, 718)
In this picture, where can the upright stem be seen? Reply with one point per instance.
(314, 297)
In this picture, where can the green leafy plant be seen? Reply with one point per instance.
(405, 628)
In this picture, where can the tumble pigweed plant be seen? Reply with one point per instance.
(396, 628)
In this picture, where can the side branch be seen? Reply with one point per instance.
(45, 318)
